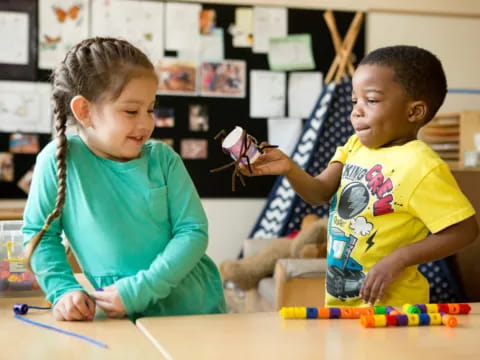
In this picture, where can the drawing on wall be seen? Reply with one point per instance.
(6, 167)
(223, 79)
(25, 107)
(207, 21)
(138, 22)
(194, 149)
(62, 24)
(24, 144)
(164, 116)
(25, 181)
(14, 47)
(177, 77)
(198, 117)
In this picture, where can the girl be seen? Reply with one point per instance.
(128, 207)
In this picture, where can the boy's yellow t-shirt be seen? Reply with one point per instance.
(388, 198)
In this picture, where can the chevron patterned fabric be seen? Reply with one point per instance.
(327, 128)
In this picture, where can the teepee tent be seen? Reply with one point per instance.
(327, 128)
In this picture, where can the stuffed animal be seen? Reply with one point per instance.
(309, 242)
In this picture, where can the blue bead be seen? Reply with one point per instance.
(312, 313)
(424, 319)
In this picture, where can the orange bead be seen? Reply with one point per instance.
(323, 313)
(449, 320)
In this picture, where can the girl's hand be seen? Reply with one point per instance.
(380, 276)
(109, 301)
(74, 305)
(272, 162)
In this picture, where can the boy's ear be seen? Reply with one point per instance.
(417, 111)
(80, 107)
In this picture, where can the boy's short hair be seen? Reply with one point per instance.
(417, 70)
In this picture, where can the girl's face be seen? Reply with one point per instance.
(380, 108)
(119, 128)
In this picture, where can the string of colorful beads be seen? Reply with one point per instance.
(423, 319)
(436, 308)
(299, 312)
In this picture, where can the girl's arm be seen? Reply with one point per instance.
(49, 261)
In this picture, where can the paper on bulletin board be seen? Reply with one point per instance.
(139, 22)
(267, 94)
(25, 107)
(61, 26)
(14, 46)
(268, 22)
(304, 88)
(293, 52)
(211, 46)
(182, 26)
(284, 132)
(242, 30)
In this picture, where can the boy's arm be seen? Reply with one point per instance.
(439, 203)
(313, 190)
(433, 247)
(439, 245)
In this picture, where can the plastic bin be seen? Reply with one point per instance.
(15, 279)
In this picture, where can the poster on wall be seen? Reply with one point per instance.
(223, 78)
(178, 77)
(62, 24)
(14, 47)
(139, 22)
(25, 107)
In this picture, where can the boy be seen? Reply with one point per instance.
(394, 202)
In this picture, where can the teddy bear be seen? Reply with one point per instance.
(309, 242)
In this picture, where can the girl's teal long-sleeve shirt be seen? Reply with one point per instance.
(137, 224)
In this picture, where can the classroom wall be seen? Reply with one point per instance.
(232, 219)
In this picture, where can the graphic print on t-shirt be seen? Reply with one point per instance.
(349, 214)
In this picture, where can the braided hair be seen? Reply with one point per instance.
(98, 69)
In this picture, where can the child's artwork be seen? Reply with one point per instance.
(198, 117)
(164, 116)
(139, 22)
(62, 24)
(194, 149)
(25, 107)
(14, 46)
(6, 167)
(24, 144)
(207, 21)
(177, 77)
(25, 181)
(223, 79)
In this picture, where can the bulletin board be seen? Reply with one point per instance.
(223, 113)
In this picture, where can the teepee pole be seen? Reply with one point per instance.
(343, 56)
(337, 41)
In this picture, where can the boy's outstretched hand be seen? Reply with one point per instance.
(380, 277)
(272, 162)
(109, 301)
(74, 305)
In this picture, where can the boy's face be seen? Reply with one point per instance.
(380, 108)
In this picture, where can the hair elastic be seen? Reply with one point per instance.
(21, 309)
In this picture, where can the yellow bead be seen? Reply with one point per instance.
(380, 320)
(435, 318)
(413, 319)
(431, 308)
(300, 312)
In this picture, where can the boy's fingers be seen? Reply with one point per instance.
(100, 295)
(373, 296)
(72, 313)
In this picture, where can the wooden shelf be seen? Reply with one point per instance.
(451, 135)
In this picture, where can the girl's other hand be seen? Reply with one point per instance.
(74, 305)
(110, 302)
(272, 162)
